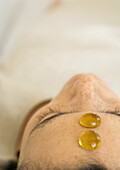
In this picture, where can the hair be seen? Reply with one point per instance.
(11, 165)
(94, 167)
(86, 167)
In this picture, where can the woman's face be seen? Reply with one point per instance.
(52, 141)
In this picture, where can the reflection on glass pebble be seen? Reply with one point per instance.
(90, 120)
(89, 140)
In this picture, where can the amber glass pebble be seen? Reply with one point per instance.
(90, 120)
(89, 140)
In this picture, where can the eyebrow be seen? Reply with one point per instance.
(77, 167)
(44, 122)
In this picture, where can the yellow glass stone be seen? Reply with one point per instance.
(90, 120)
(89, 140)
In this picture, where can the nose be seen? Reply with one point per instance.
(86, 92)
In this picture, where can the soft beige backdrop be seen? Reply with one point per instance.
(43, 43)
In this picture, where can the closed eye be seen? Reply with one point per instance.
(63, 113)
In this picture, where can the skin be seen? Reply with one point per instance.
(55, 143)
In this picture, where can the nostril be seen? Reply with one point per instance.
(18, 154)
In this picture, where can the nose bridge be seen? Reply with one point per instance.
(79, 92)
(84, 87)
(86, 92)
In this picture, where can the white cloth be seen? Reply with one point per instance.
(43, 45)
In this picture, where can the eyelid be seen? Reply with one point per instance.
(43, 117)
(44, 114)
(51, 111)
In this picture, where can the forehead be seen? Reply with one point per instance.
(58, 140)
